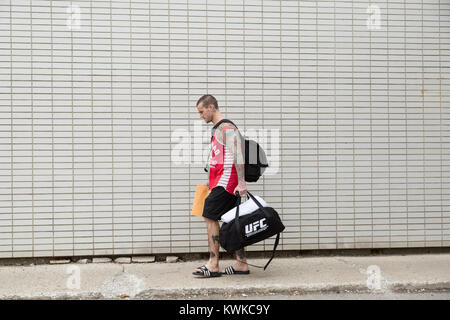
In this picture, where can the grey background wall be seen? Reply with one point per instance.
(93, 92)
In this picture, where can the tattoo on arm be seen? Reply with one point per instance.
(233, 142)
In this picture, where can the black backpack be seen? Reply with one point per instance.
(251, 228)
(255, 156)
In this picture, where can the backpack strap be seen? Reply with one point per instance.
(219, 123)
(212, 134)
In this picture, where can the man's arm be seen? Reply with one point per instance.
(233, 142)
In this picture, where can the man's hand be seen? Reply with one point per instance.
(241, 188)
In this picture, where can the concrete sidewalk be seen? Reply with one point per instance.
(160, 280)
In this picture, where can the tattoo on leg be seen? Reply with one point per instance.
(215, 238)
(240, 253)
(211, 254)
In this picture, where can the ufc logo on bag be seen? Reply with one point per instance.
(255, 227)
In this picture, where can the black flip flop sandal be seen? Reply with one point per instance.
(206, 273)
(230, 270)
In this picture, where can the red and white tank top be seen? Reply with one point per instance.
(222, 171)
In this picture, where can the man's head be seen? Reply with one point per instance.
(207, 106)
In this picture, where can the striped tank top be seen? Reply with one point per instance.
(222, 171)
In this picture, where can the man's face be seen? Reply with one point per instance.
(205, 113)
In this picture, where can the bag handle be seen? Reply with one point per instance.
(263, 209)
(254, 199)
(238, 202)
(236, 217)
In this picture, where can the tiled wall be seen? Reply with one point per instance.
(351, 99)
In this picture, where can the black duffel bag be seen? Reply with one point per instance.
(251, 228)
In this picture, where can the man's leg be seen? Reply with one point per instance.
(213, 239)
(241, 261)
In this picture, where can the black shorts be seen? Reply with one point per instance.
(218, 202)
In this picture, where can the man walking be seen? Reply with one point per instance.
(226, 177)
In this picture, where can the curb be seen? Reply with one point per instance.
(160, 294)
(295, 291)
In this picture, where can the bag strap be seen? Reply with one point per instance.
(238, 227)
(212, 132)
(223, 121)
(219, 123)
(275, 245)
(259, 204)
(236, 217)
